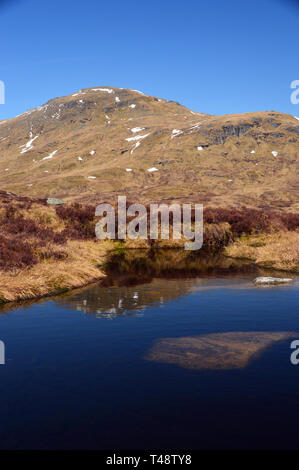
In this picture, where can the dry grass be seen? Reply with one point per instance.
(46, 250)
(82, 266)
(276, 250)
(45, 215)
(225, 172)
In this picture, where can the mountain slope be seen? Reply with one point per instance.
(100, 142)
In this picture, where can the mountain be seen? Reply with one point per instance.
(102, 142)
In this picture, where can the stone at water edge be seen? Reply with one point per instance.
(273, 280)
(53, 201)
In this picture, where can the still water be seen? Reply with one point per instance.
(190, 361)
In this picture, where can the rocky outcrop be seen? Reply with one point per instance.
(273, 280)
(53, 201)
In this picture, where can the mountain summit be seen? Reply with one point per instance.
(102, 142)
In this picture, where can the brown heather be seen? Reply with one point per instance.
(45, 250)
(81, 266)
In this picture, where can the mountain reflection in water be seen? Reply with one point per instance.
(232, 350)
(110, 302)
(161, 276)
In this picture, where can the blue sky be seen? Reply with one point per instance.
(217, 57)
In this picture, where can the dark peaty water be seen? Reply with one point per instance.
(196, 363)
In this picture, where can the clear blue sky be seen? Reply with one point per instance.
(216, 57)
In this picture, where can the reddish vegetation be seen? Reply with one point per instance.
(248, 221)
(26, 239)
(79, 221)
(15, 254)
(7, 197)
(23, 241)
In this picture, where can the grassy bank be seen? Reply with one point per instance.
(46, 250)
(81, 266)
(278, 250)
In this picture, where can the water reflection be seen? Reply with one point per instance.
(233, 350)
(113, 301)
(136, 266)
(139, 278)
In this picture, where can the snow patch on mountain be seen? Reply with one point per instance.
(137, 91)
(50, 156)
(137, 129)
(105, 90)
(28, 146)
(79, 93)
(137, 137)
(176, 132)
(135, 147)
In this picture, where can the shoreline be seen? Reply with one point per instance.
(86, 265)
(50, 278)
(276, 251)
(46, 250)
